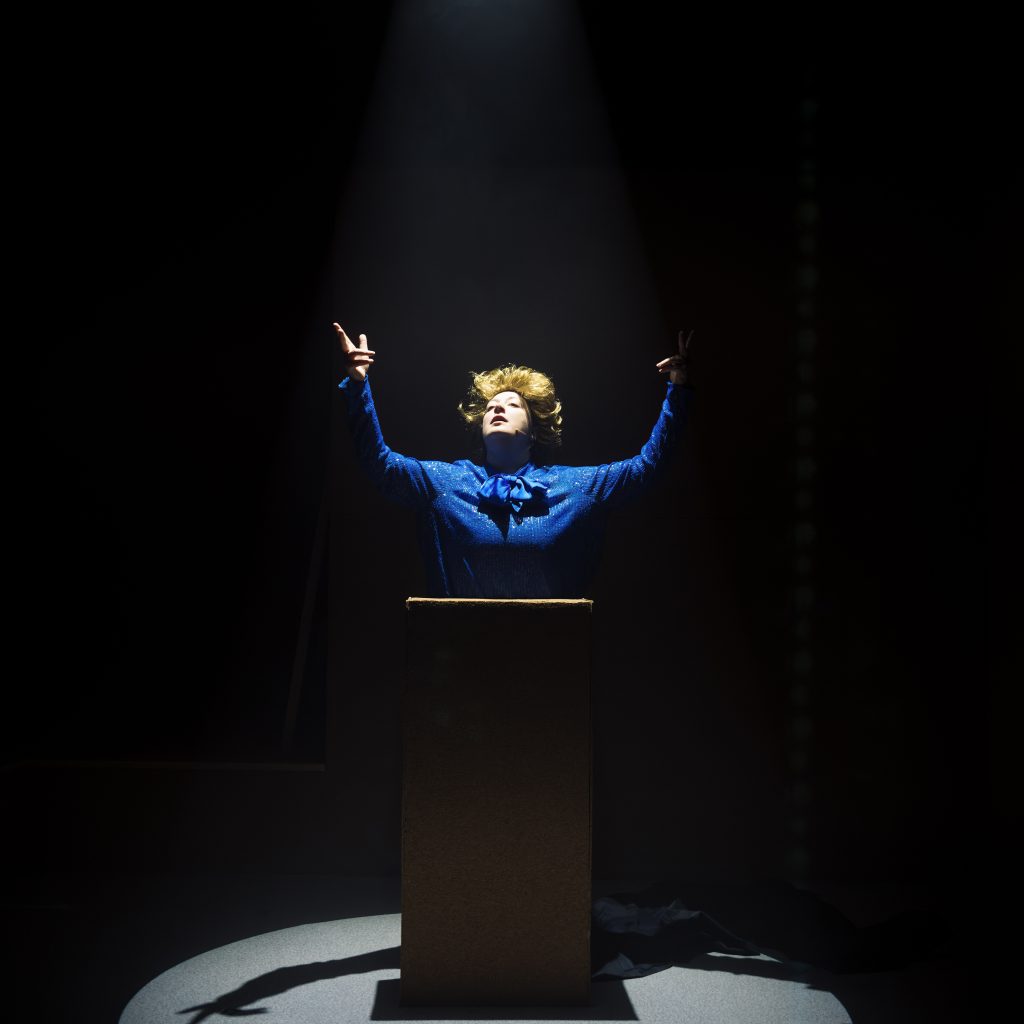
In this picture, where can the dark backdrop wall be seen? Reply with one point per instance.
(186, 191)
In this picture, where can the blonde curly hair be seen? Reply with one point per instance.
(536, 389)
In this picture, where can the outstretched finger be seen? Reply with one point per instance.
(684, 345)
(345, 340)
(363, 342)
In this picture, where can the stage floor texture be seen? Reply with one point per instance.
(191, 948)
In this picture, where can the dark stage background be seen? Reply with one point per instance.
(180, 183)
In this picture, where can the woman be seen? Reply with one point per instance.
(510, 525)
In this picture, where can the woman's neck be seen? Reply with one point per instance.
(507, 460)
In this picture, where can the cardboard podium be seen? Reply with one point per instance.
(496, 816)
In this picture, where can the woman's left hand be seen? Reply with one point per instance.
(677, 367)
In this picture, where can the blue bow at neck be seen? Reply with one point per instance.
(512, 490)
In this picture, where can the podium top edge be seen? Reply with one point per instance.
(519, 602)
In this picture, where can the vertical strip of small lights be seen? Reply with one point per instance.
(804, 532)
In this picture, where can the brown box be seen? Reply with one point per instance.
(496, 816)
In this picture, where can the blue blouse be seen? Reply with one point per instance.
(535, 533)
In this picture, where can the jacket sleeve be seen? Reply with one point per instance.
(399, 478)
(617, 483)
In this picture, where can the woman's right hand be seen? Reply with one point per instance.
(357, 358)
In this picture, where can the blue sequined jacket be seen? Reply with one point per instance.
(535, 533)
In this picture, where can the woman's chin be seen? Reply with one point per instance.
(502, 435)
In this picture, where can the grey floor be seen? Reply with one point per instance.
(146, 948)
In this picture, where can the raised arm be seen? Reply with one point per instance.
(617, 483)
(397, 477)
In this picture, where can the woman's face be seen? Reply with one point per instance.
(507, 414)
